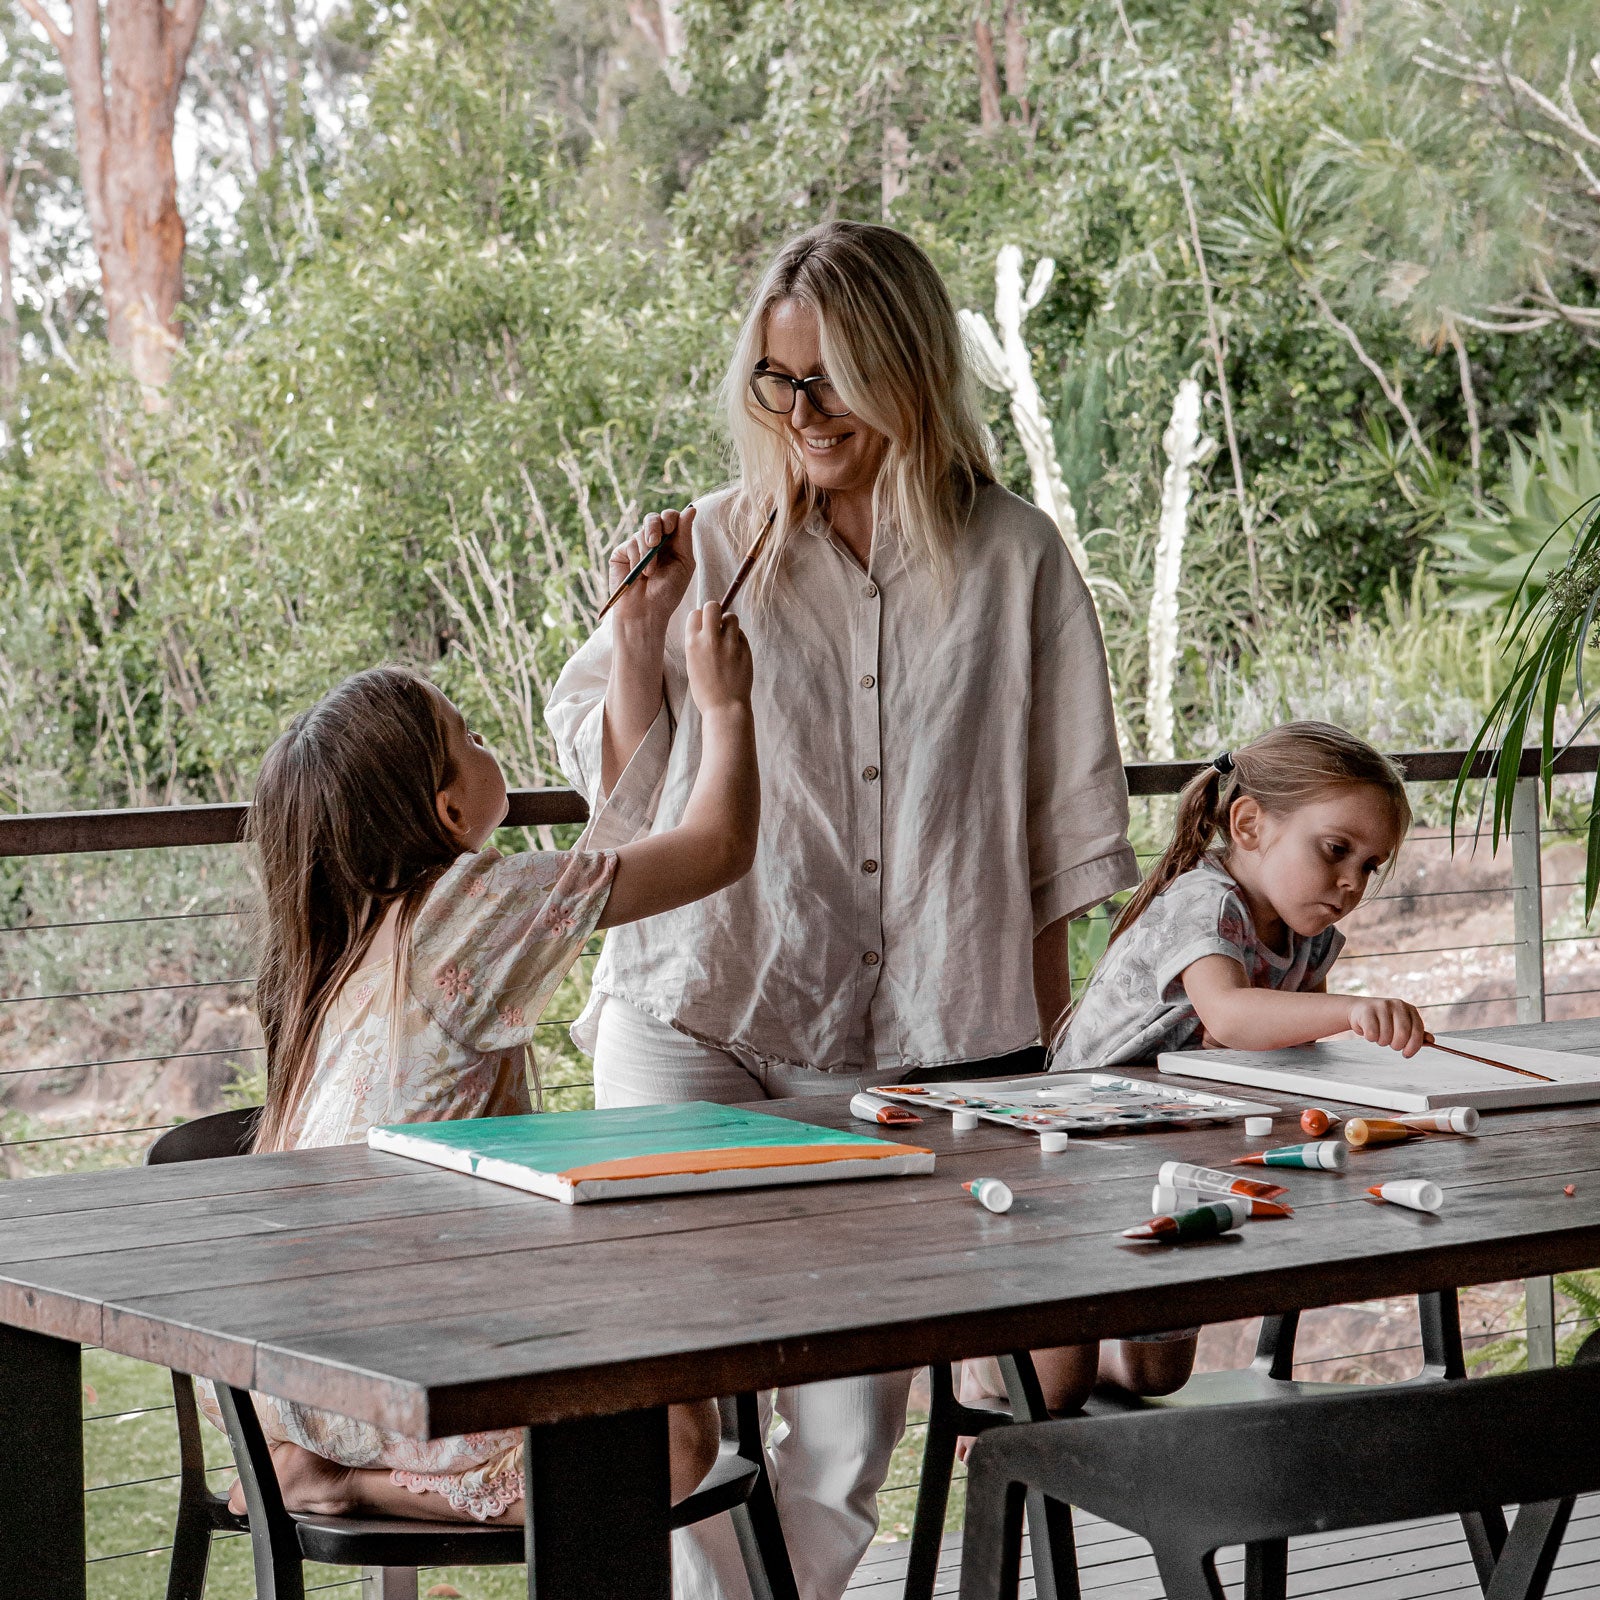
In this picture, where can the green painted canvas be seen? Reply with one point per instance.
(644, 1150)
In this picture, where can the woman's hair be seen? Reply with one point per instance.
(1285, 769)
(892, 345)
(345, 824)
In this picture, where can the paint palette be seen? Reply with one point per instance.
(1083, 1103)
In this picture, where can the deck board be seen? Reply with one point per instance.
(1425, 1560)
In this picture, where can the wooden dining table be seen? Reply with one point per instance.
(434, 1303)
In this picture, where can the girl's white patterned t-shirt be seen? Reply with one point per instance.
(1135, 1005)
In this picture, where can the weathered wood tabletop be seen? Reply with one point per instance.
(434, 1303)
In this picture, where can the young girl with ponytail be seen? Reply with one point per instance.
(1227, 943)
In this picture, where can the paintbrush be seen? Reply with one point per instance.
(643, 562)
(748, 564)
(1483, 1061)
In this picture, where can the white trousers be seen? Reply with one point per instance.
(829, 1453)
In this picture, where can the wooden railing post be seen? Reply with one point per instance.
(1527, 900)
(1527, 906)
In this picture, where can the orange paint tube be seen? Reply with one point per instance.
(1315, 1121)
(1361, 1133)
(1168, 1200)
(1183, 1175)
(1447, 1119)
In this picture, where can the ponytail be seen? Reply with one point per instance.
(1202, 811)
(1284, 769)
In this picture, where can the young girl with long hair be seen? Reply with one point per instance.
(405, 967)
(1228, 943)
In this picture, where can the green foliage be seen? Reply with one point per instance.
(1577, 1320)
(1545, 644)
(1506, 554)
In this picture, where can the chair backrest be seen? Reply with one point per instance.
(223, 1133)
(1204, 1477)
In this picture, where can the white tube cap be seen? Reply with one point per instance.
(963, 1121)
(1052, 1144)
(1417, 1194)
(1258, 1127)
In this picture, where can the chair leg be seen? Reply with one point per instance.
(1275, 1345)
(1443, 1357)
(1055, 1551)
(388, 1583)
(274, 1544)
(991, 1540)
(1266, 1570)
(933, 1494)
(1189, 1575)
(191, 1534)
(1530, 1552)
(755, 1523)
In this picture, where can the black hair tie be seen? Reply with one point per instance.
(1224, 762)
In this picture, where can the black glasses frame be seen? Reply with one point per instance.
(797, 386)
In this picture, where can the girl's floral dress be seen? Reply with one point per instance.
(446, 1038)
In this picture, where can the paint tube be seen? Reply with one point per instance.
(1184, 1176)
(990, 1193)
(1203, 1222)
(1327, 1155)
(1170, 1199)
(874, 1108)
(1447, 1119)
(1362, 1132)
(1315, 1121)
(1417, 1194)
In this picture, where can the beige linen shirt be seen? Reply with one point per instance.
(940, 780)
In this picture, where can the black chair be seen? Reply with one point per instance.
(1269, 1376)
(1354, 1460)
(390, 1550)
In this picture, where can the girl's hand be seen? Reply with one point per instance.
(720, 668)
(654, 596)
(1389, 1022)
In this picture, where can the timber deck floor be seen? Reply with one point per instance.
(1424, 1560)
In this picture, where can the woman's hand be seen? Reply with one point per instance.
(715, 843)
(1395, 1023)
(654, 596)
(720, 668)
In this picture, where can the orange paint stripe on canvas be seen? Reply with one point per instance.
(782, 1155)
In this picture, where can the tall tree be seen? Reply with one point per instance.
(36, 167)
(124, 61)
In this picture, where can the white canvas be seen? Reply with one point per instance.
(1366, 1074)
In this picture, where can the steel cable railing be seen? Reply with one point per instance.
(124, 1444)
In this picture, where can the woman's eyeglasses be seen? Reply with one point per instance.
(776, 391)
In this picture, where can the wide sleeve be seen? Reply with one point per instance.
(1078, 850)
(575, 716)
(1197, 915)
(496, 936)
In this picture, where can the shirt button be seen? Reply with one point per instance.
(870, 774)
(869, 866)
(872, 591)
(870, 959)
(867, 680)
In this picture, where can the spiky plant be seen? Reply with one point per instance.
(1500, 552)
(1545, 639)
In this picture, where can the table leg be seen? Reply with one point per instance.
(42, 1546)
(598, 1494)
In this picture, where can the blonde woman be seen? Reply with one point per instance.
(941, 786)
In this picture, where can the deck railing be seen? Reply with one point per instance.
(58, 888)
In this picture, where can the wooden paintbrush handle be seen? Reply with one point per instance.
(1484, 1061)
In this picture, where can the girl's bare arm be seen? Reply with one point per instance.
(1238, 1017)
(715, 844)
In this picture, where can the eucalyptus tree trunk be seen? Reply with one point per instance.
(124, 63)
